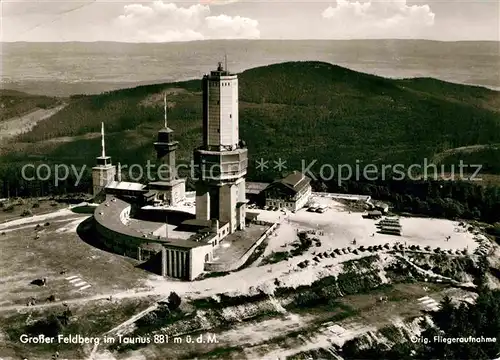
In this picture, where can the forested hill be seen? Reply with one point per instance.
(15, 103)
(293, 111)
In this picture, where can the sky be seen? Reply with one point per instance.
(165, 21)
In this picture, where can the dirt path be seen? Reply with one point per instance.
(260, 277)
(62, 213)
(122, 295)
(198, 289)
(439, 157)
(21, 124)
(242, 282)
(128, 322)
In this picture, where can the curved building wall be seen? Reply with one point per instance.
(180, 258)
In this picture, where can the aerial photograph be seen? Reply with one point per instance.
(249, 180)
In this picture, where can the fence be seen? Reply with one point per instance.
(342, 196)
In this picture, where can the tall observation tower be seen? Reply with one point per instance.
(221, 162)
(104, 172)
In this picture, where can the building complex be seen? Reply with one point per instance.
(184, 249)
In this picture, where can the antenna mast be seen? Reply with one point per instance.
(103, 151)
(165, 107)
(225, 61)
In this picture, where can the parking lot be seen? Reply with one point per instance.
(337, 227)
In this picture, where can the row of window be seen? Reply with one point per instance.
(281, 204)
(216, 84)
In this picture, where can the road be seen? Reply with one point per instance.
(21, 124)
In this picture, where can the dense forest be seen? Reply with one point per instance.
(16, 103)
(435, 198)
(295, 111)
(299, 112)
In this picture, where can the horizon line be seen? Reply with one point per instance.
(255, 40)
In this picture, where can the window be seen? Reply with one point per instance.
(230, 116)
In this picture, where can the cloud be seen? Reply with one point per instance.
(164, 22)
(218, 2)
(379, 18)
(239, 27)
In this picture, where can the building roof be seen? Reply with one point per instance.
(296, 181)
(255, 187)
(159, 185)
(198, 223)
(108, 214)
(125, 185)
(293, 179)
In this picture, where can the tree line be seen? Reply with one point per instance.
(435, 198)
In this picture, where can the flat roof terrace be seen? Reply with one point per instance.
(108, 214)
(235, 245)
(158, 229)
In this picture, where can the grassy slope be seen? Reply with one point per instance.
(295, 110)
(16, 103)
